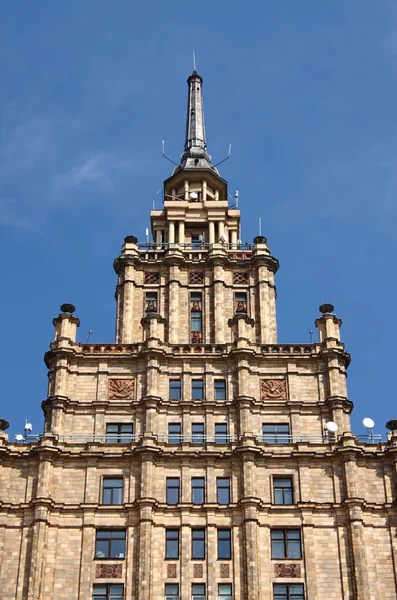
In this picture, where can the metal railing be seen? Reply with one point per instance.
(153, 246)
(198, 438)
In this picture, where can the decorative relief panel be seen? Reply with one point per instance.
(240, 278)
(196, 277)
(107, 571)
(198, 570)
(287, 570)
(225, 571)
(196, 337)
(152, 278)
(121, 389)
(273, 389)
(171, 571)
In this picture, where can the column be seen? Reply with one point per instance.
(204, 190)
(186, 190)
(127, 328)
(181, 238)
(219, 305)
(87, 552)
(171, 232)
(173, 305)
(211, 232)
(158, 237)
(234, 237)
(252, 555)
(310, 560)
(221, 229)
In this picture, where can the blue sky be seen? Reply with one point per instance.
(304, 91)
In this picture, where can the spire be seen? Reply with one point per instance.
(195, 154)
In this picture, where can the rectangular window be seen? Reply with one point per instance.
(198, 490)
(108, 591)
(221, 433)
(223, 490)
(197, 433)
(174, 433)
(175, 389)
(197, 241)
(172, 591)
(172, 543)
(282, 489)
(286, 543)
(110, 543)
(151, 302)
(276, 433)
(224, 544)
(198, 543)
(220, 389)
(119, 433)
(198, 591)
(196, 318)
(173, 490)
(225, 591)
(288, 591)
(197, 389)
(240, 302)
(196, 322)
(112, 490)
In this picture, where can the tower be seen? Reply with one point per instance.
(190, 459)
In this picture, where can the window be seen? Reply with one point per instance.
(275, 433)
(198, 433)
(240, 302)
(198, 543)
(151, 302)
(198, 591)
(196, 318)
(197, 240)
(288, 591)
(174, 433)
(197, 389)
(198, 490)
(286, 543)
(225, 591)
(224, 543)
(221, 433)
(282, 488)
(108, 591)
(220, 389)
(110, 543)
(175, 389)
(119, 433)
(112, 490)
(223, 490)
(172, 591)
(173, 490)
(172, 543)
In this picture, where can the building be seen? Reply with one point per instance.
(191, 459)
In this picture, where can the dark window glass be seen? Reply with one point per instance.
(220, 389)
(198, 490)
(225, 591)
(240, 302)
(288, 591)
(198, 543)
(172, 591)
(173, 490)
(119, 433)
(286, 543)
(275, 433)
(282, 488)
(223, 490)
(198, 591)
(110, 543)
(175, 389)
(112, 490)
(198, 433)
(197, 240)
(108, 591)
(224, 543)
(221, 433)
(197, 389)
(151, 302)
(172, 543)
(174, 433)
(196, 321)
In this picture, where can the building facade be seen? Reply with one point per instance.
(193, 459)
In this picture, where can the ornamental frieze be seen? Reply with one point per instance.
(121, 389)
(106, 571)
(287, 570)
(273, 389)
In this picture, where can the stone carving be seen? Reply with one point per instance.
(241, 306)
(151, 306)
(171, 571)
(240, 278)
(197, 570)
(225, 571)
(287, 570)
(196, 277)
(152, 278)
(196, 305)
(108, 571)
(196, 337)
(121, 389)
(273, 389)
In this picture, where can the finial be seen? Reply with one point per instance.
(391, 425)
(4, 424)
(194, 61)
(68, 308)
(326, 308)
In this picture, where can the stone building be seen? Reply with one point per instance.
(191, 459)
